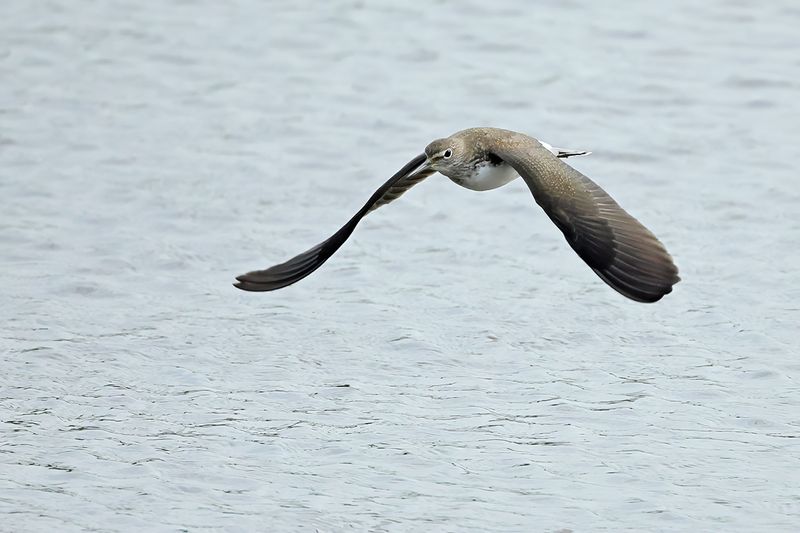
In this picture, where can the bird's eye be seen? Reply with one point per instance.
(447, 153)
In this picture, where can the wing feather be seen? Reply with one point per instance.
(302, 265)
(616, 246)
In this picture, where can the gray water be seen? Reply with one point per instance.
(454, 367)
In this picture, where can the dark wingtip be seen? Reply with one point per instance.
(245, 286)
(251, 287)
(273, 278)
(646, 278)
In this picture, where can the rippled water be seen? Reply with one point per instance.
(454, 367)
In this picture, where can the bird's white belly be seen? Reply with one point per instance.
(487, 177)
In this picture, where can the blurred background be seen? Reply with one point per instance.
(454, 367)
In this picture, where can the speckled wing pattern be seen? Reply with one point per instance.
(625, 254)
(302, 265)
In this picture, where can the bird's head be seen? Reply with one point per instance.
(447, 156)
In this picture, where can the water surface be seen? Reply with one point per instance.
(454, 367)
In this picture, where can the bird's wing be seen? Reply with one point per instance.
(302, 265)
(625, 254)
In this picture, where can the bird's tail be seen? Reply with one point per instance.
(563, 153)
(566, 152)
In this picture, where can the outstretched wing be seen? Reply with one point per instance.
(625, 254)
(302, 265)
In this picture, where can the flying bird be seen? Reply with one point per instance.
(616, 246)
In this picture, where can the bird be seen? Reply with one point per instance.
(615, 245)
